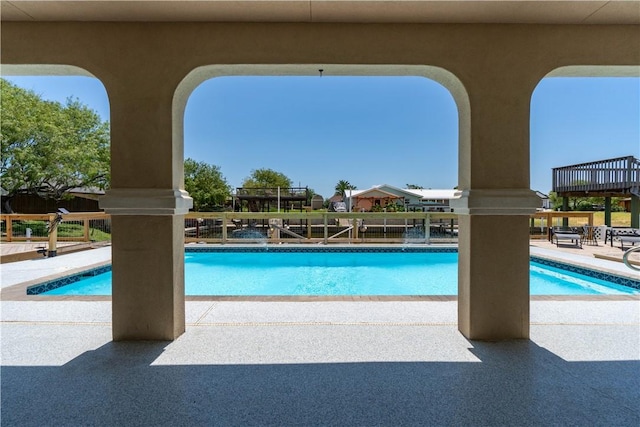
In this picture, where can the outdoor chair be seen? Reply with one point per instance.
(565, 234)
(623, 235)
(589, 235)
(632, 237)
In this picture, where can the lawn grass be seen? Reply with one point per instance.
(39, 229)
(618, 219)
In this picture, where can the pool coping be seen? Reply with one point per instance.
(18, 292)
(588, 271)
(596, 263)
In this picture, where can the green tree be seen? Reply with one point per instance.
(584, 203)
(310, 193)
(414, 187)
(48, 148)
(266, 178)
(554, 200)
(342, 186)
(206, 185)
(574, 202)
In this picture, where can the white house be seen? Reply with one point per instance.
(545, 202)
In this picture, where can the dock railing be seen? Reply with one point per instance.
(74, 227)
(541, 223)
(320, 227)
(278, 227)
(50, 229)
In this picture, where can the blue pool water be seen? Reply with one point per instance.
(340, 273)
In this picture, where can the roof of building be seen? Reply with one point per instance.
(374, 192)
(437, 194)
(425, 194)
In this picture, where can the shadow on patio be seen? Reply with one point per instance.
(508, 383)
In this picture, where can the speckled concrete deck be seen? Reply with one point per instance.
(330, 363)
(340, 363)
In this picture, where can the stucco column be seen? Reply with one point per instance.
(147, 208)
(494, 203)
(493, 270)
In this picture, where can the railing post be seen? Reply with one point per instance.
(53, 237)
(355, 226)
(384, 225)
(326, 228)
(427, 229)
(9, 228)
(224, 228)
(85, 223)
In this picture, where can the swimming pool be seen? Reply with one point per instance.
(349, 272)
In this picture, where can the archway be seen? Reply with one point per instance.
(589, 155)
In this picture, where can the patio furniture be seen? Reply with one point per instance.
(589, 234)
(569, 234)
(623, 235)
(629, 239)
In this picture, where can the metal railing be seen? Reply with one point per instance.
(279, 227)
(73, 227)
(320, 227)
(625, 258)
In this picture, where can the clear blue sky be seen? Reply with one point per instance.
(375, 130)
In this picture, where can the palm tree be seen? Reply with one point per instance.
(342, 186)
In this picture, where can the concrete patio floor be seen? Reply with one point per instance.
(319, 363)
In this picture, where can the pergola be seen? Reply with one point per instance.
(150, 55)
(262, 199)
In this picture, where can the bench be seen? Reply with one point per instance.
(624, 235)
(570, 234)
(633, 239)
(574, 238)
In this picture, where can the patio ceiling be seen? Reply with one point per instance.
(362, 11)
